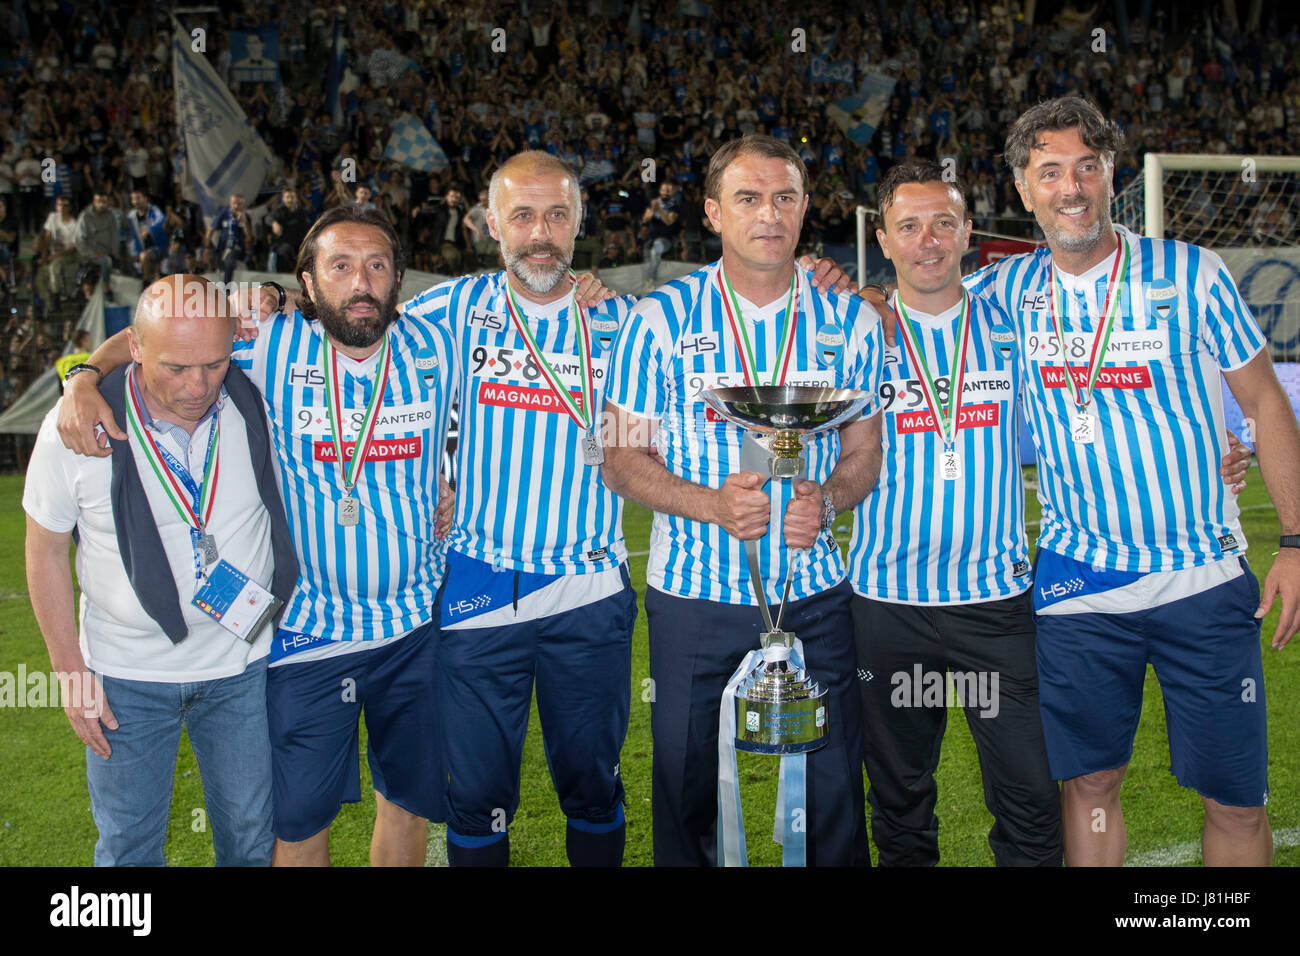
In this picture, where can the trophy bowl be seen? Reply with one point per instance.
(777, 408)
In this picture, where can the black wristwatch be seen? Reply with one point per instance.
(81, 368)
(279, 290)
(1286, 541)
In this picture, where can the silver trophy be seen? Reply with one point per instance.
(779, 708)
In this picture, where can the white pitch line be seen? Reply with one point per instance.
(1181, 853)
(11, 595)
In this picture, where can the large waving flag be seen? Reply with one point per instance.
(412, 145)
(858, 115)
(223, 153)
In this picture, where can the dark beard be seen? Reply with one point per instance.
(358, 333)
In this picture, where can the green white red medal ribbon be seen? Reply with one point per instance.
(739, 332)
(584, 415)
(945, 422)
(1100, 340)
(205, 493)
(334, 407)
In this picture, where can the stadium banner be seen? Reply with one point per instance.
(822, 70)
(255, 56)
(991, 250)
(1269, 280)
(222, 152)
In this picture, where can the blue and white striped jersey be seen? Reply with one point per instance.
(525, 498)
(1146, 494)
(917, 537)
(679, 342)
(378, 578)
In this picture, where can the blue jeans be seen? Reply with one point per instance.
(131, 791)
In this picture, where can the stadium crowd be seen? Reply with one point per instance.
(606, 86)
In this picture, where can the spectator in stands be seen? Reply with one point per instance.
(289, 224)
(8, 246)
(98, 236)
(662, 227)
(484, 246)
(30, 193)
(231, 237)
(146, 235)
(57, 279)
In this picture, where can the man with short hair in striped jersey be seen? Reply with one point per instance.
(537, 592)
(751, 318)
(1141, 555)
(938, 560)
(357, 396)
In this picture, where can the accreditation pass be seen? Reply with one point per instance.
(239, 605)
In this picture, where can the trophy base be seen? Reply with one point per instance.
(779, 710)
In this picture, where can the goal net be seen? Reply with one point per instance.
(1245, 208)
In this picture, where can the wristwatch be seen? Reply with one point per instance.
(81, 368)
(828, 513)
(1286, 541)
(279, 290)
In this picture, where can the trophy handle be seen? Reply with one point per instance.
(756, 455)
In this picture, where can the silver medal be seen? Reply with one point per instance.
(949, 464)
(1083, 428)
(207, 546)
(349, 511)
(592, 453)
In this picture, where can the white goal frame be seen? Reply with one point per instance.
(1155, 164)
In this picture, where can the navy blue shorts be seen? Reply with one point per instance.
(313, 709)
(1206, 654)
(581, 663)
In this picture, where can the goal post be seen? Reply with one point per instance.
(1270, 181)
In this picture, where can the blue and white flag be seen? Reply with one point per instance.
(858, 115)
(222, 152)
(413, 146)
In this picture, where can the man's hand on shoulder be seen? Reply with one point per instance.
(827, 275)
(85, 422)
(877, 296)
(252, 305)
(591, 292)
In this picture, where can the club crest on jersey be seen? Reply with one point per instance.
(1004, 340)
(603, 332)
(1162, 298)
(830, 345)
(426, 363)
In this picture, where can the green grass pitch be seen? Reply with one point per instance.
(45, 811)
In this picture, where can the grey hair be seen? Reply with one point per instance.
(538, 158)
(1064, 112)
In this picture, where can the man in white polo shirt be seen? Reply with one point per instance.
(183, 556)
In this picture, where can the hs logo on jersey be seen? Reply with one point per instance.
(306, 375)
(489, 321)
(699, 345)
(1033, 302)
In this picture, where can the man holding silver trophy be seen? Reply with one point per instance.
(749, 340)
